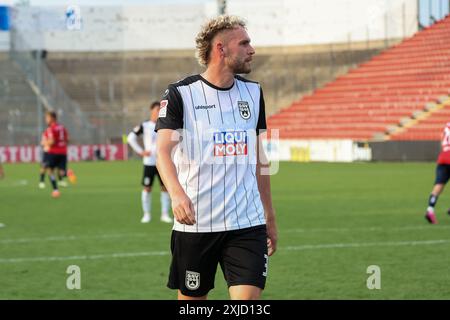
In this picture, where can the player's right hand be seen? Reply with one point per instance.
(183, 209)
(145, 153)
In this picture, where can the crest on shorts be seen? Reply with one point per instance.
(244, 109)
(192, 280)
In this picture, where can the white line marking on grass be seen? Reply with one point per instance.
(14, 183)
(289, 248)
(72, 238)
(86, 257)
(405, 228)
(365, 244)
(160, 233)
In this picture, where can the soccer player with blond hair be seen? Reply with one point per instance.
(210, 157)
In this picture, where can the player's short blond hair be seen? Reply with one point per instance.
(209, 30)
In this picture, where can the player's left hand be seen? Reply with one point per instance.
(272, 236)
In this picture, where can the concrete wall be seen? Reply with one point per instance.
(294, 22)
(405, 150)
(111, 28)
(332, 150)
(172, 27)
(116, 88)
(4, 41)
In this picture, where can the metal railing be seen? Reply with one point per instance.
(50, 94)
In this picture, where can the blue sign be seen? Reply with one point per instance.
(4, 18)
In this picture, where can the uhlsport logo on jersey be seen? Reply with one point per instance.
(230, 143)
(192, 280)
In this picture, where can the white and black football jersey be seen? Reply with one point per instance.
(147, 130)
(216, 156)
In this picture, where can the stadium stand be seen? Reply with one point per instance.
(427, 125)
(375, 99)
(114, 88)
(17, 105)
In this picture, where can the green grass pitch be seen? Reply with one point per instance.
(334, 221)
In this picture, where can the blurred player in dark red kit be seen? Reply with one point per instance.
(55, 141)
(442, 174)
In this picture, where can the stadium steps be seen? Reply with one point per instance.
(124, 83)
(382, 97)
(427, 125)
(18, 113)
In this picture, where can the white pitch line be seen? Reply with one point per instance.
(86, 257)
(299, 230)
(405, 228)
(71, 238)
(289, 248)
(15, 183)
(366, 244)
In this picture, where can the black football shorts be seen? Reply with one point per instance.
(58, 161)
(44, 160)
(148, 176)
(442, 174)
(242, 255)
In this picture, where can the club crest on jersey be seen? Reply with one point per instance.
(192, 280)
(230, 143)
(163, 108)
(244, 110)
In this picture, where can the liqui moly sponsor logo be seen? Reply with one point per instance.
(230, 143)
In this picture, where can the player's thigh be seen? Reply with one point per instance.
(244, 292)
(44, 162)
(181, 296)
(195, 257)
(244, 259)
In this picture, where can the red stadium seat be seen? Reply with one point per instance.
(378, 94)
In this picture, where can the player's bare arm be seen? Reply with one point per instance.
(132, 140)
(183, 209)
(50, 141)
(266, 198)
(45, 143)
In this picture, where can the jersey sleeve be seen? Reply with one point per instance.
(138, 130)
(171, 110)
(261, 126)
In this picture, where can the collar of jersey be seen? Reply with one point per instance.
(216, 87)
